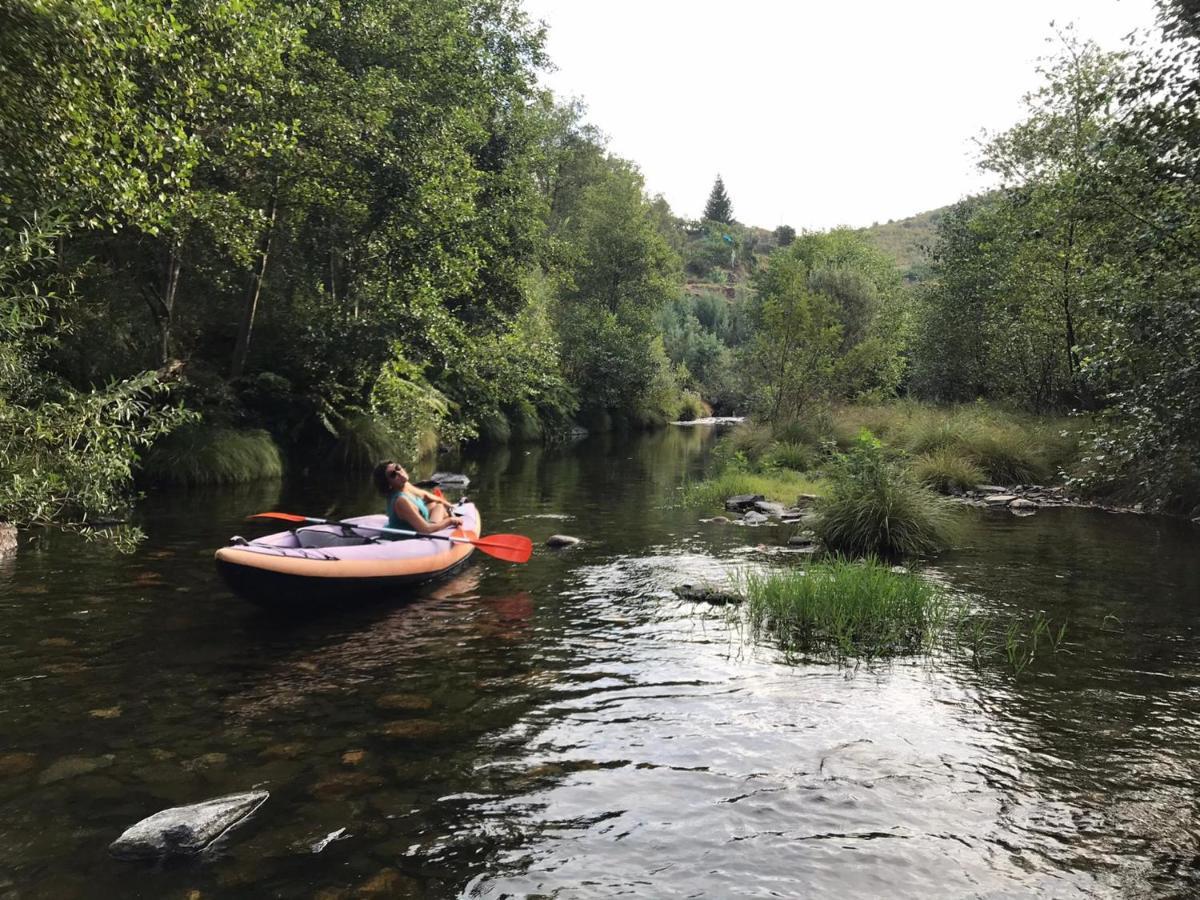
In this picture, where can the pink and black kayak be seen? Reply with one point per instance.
(332, 563)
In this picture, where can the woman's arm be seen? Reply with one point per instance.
(408, 512)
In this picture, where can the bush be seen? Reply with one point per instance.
(873, 508)
(494, 427)
(785, 455)
(1007, 455)
(199, 455)
(526, 423)
(946, 470)
(691, 407)
(848, 609)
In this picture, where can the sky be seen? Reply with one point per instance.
(814, 114)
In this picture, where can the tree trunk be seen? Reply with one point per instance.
(241, 349)
(166, 317)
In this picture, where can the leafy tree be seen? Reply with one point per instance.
(784, 235)
(719, 208)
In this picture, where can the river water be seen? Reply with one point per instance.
(569, 728)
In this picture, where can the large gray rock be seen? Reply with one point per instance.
(450, 479)
(770, 508)
(561, 540)
(186, 830)
(999, 499)
(754, 517)
(743, 502)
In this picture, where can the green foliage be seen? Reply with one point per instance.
(782, 485)
(199, 455)
(718, 207)
(784, 235)
(66, 456)
(947, 470)
(874, 508)
(847, 610)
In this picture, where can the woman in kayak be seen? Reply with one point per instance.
(409, 507)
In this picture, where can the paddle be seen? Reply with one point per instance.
(510, 547)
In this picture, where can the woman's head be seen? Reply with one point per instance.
(389, 476)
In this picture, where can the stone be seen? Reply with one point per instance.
(1022, 503)
(770, 508)
(8, 541)
(410, 702)
(1196, 521)
(999, 499)
(803, 539)
(561, 540)
(186, 830)
(206, 761)
(353, 757)
(284, 751)
(706, 593)
(742, 502)
(108, 712)
(803, 500)
(754, 517)
(415, 729)
(339, 835)
(389, 883)
(990, 489)
(344, 784)
(74, 766)
(450, 479)
(718, 520)
(16, 764)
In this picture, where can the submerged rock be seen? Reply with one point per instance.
(74, 766)
(754, 517)
(561, 540)
(186, 830)
(706, 593)
(450, 479)
(742, 502)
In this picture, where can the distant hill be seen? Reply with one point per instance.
(902, 239)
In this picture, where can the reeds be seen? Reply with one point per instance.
(198, 455)
(874, 508)
(946, 470)
(847, 609)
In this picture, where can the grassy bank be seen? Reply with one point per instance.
(201, 455)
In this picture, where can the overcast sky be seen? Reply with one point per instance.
(815, 114)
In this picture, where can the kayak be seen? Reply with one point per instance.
(328, 563)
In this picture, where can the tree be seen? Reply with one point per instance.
(719, 208)
(784, 235)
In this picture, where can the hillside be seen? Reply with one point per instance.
(902, 239)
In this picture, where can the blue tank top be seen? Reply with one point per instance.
(393, 521)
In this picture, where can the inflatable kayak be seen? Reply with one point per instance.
(345, 561)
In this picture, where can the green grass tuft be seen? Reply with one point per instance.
(362, 442)
(783, 486)
(946, 470)
(199, 455)
(873, 507)
(847, 609)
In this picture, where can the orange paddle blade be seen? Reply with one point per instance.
(510, 547)
(287, 517)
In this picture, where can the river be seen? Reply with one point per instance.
(569, 728)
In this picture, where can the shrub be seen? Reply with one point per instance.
(785, 455)
(874, 508)
(848, 609)
(494, 427)
(526, 423)
(1007, 455)
(199, 455)
(691, 407)
(946, 470)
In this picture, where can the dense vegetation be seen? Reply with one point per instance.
(321, 233)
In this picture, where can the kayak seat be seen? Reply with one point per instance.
(315, 537)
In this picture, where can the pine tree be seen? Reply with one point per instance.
(719, 208)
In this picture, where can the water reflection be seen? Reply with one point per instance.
(569, 727)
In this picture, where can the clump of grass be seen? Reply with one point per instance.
(783, 485)
(1019, 642)
(946, 470)
(201, 455)
(1007, 455)
(847, 609)
(691, 407)
(786, 455)
(873, 507)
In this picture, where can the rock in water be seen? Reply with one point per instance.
(561, 540)
(183, 830)
(450, 479)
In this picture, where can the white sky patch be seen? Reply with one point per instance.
(815, 114)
